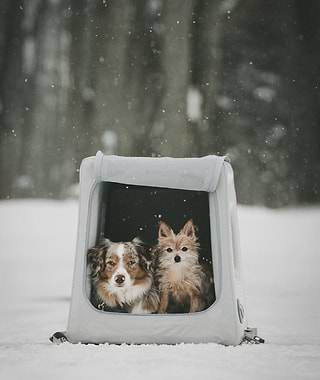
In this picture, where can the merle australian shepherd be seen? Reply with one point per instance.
(122, 277)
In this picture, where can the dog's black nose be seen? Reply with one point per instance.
(177, 259)
(119, 279)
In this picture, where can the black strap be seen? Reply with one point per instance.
(58, 338)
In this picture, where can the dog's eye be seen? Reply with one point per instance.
(169, 249)
(111, 263)
(184, 249)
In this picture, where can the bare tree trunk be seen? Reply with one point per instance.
(44, 158)
(11, 88)
(82, 83)
(208, 72)
(145, 78)
(305, 115)
(111, 57)
(172, 135)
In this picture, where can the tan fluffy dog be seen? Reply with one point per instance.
(180, 277)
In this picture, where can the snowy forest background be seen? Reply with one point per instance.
(154, 78)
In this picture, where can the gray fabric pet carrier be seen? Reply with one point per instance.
(122, 198)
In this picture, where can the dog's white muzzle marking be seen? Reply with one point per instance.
(121, 277)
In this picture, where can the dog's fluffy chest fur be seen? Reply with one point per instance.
(180, 280)
(128, 295)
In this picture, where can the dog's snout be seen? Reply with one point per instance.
(177, 259)
(119, 279)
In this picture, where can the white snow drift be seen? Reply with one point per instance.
(281, 260)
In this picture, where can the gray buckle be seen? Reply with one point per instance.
(251, 336)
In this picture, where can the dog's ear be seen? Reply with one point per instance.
(144, 253)
(164, 230)
(140, 246)
(96, 256)
(189, 229)
(137, 242)
(144, 261)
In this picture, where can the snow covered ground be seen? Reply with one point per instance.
(281, 258)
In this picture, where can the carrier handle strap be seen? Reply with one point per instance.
(198, 174)
(98, 165)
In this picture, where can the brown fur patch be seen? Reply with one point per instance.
(104, 261)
